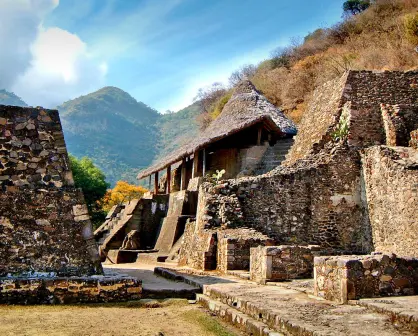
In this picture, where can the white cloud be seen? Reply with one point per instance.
(45, 66)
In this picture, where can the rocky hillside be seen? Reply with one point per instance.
(9, 98)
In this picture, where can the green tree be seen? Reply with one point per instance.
(355, 6)
(93, 183)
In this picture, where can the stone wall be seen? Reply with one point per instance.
(345, 278)
(399, 122)
(284, 262)
(391, 180)
(233, 250)
(44, 223)
(366, 91)
(362, 93)
(313, 202)
(69, 290)
(199, 248)
(318, 121)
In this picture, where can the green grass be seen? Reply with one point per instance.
(208, 323)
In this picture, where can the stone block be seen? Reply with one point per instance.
(344, 278)
(278, 263)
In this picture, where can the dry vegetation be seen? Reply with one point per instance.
(142, 318)
(382, 37)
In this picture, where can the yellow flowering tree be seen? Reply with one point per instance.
(122, 192)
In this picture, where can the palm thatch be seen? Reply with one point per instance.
(246, 108)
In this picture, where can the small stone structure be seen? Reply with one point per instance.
(47, 250)
(284, 262)
(57, 290)
(345, 278)
(234, 245)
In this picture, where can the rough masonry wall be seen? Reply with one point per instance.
(310, 203)
(233, 250)
(44, 223)
(391, 180)
(344, 278)
(366, 91)
(319, 119)
(361, 93)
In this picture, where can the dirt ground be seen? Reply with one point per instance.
(143, 318)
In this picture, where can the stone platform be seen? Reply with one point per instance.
(277, 310)
(58, 290)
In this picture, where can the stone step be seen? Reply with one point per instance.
(236, 318)
(294, 313)
(402, 310)
(245, 275)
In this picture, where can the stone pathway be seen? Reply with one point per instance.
(154, 286)
(290, 309)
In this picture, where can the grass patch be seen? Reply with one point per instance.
(208, 323)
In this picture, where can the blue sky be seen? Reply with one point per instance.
(162, 51)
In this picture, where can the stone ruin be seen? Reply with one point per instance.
(349, 187)
(47, 250)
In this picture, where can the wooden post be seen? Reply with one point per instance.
(156, 183)
(260, 129)
(183, 174)
(168, 179)
(195, 170)
(204, 162)
(149, 182)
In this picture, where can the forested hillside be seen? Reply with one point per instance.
(113, 129)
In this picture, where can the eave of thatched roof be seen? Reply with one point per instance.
(246, 108)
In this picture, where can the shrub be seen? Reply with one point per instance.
(411, 28)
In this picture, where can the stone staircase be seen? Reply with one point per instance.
(281, 310)
(274, 156)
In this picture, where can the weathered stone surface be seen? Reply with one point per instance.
(316, 201)
(284, 262)
(361, 93)
(391, 183)
(55, 290)
(233, 249)
(345, 278)
(39, 232)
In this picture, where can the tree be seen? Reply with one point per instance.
(93, 183)
(122, 192)
(245, 72)
(354, 7)
(207, 99)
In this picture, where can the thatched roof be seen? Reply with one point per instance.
(246, 108)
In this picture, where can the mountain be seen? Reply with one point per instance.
(117, 132)
(9, 98)
(175, 129)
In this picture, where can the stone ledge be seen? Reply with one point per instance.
(344, 278)
(62, 290)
